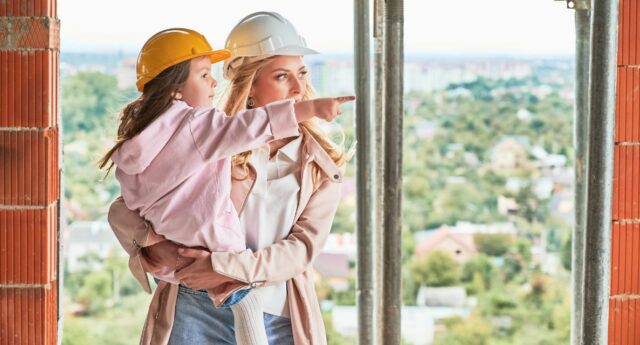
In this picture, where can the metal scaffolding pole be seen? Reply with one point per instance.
(604, 38)
(365, 174)
(378, 35)
(581, 145)
(394, 62)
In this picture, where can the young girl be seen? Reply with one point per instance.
(173, 153)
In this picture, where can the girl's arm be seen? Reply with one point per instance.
(217, 135)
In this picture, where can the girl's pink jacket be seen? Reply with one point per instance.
(177, 172)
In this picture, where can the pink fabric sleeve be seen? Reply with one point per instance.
(217, 135)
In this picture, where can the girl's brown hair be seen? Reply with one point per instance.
(240, 88)
(156, 98)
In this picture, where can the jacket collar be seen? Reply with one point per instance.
(311, 152)
(315, 152)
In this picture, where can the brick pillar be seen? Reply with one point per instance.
(29, 171)
(624, 300)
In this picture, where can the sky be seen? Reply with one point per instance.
(459, 27)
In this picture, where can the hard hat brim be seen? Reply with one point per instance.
(217, 55)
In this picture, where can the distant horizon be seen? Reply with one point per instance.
(408, 55)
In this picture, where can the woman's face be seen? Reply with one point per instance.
(283, 77)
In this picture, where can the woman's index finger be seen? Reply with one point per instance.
(343, 99)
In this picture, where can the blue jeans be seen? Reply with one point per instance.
(197, 321)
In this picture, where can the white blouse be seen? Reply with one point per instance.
(270, 209)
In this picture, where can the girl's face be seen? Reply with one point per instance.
(283, 77)
(199, 88)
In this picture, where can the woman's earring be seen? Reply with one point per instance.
(177, 95)
(250, 102)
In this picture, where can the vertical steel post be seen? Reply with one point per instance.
(365, 173)
(602, 87)
(581, 146)
(394, 63)
(379, 76)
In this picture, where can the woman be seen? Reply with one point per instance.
(286, 195)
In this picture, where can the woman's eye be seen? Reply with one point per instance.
(282, 76)
(302, 74)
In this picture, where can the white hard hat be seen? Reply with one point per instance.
(261, 35)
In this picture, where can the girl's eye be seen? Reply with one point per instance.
(204, 75)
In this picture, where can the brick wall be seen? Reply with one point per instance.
(29, 171)
(624, 300)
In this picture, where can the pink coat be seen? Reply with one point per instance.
(177, 172)
(290, 259)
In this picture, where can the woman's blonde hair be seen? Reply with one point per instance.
(236, 100)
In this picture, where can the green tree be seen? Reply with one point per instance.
(473, 331)
(435, 269)
(90, 101)
(478, 266)
(493, 244)
(95, 291)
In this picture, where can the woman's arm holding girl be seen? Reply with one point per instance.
(276, 263)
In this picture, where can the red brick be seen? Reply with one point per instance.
(615, 259)
(635, 187)
(29, 32)
(611, 321)
(28, 89)
(28, 315)
(628, 105)
(623, 321)
(28, 8)
(626, 183)
(615, 202)
(619, 82)
(28, 241)
(625, 255)
(634, 14)
(29, 172)
(628, 45)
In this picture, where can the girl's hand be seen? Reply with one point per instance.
(199, 274)
(328, 108)
(162, 254)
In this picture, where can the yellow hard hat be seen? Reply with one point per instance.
(170, 47)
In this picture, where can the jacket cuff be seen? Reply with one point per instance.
(221, 263)
(282, 119)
